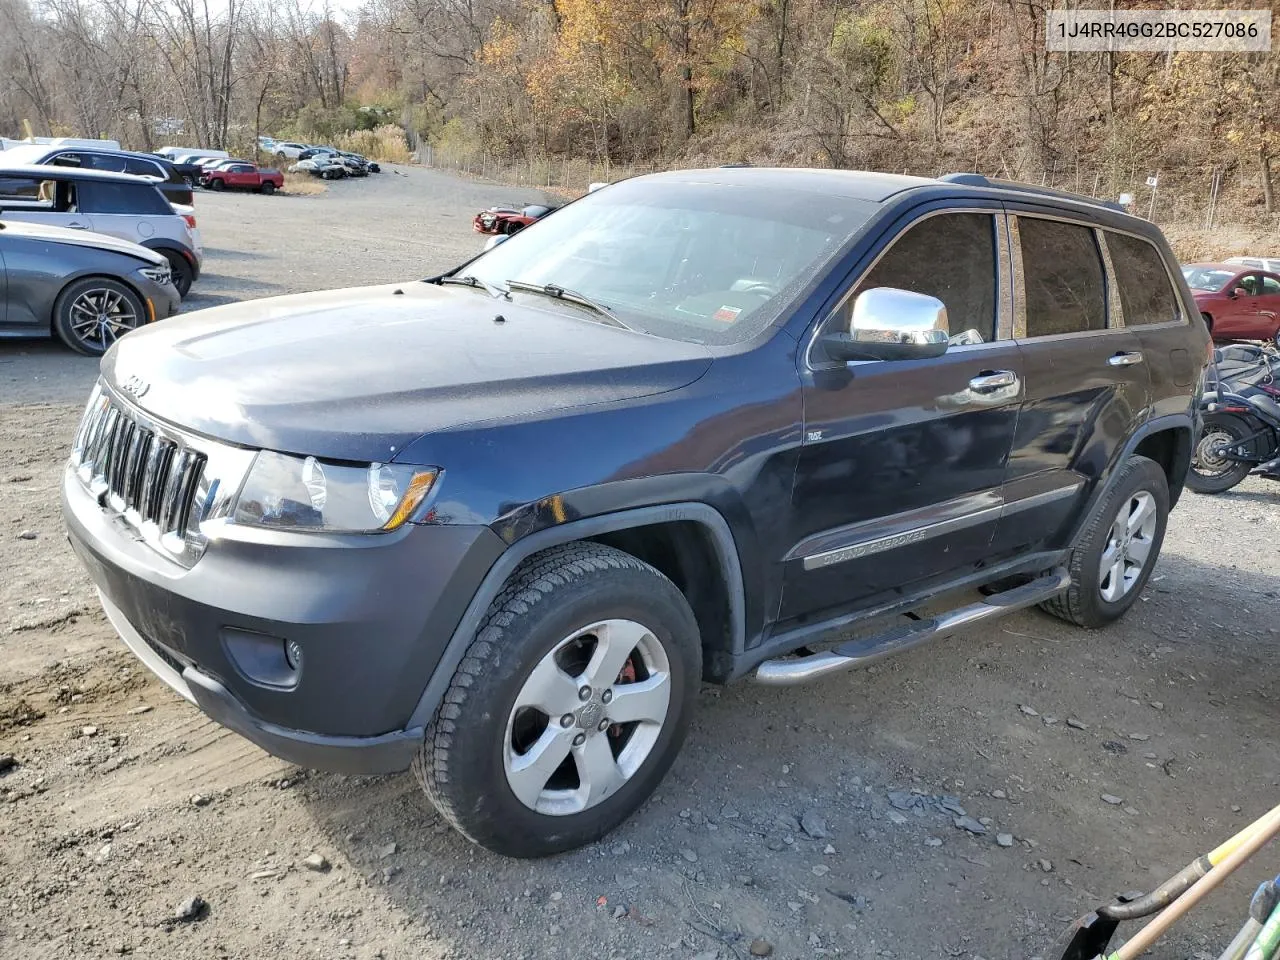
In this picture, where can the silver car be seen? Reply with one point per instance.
(116, 204)
(85, 288)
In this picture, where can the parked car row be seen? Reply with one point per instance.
(319, 160)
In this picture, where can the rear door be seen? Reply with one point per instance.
(1087, 377)
(899, 479)
(1151, 308)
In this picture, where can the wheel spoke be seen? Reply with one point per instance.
(550, 690)
(1113, 582)
(615, 640)
(598, 772)
(1109, 555)
(1139, 550)
(529, 772)
(647, 700)
(1143, 510)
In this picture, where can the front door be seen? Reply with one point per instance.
(900, 476)
(1087, 379)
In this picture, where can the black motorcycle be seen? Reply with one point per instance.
(1240, 431)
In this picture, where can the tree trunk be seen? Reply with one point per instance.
(686, 99)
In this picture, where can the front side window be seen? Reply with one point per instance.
(24, 189)
(694, 261)
(1062, 276)
(951, 257)
(1146, 295)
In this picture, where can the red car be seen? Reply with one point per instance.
(508, 220)
(1237, 303)
(244, 176)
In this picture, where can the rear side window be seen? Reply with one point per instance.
(1062, 271)
(1270, 286)
(142, 168)
(110, 162)
(951, 257)
(1145, 291)
(99, 197)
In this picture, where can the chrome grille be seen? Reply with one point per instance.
(132, 469)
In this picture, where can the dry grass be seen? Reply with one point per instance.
(1193, 244)
(386, 144)
(302, 185)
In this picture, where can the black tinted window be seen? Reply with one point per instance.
(19, 188)
(111, 162)
(96, 197)
(1145, 292)
(142, 168)
(951, 257)
(1065, 291)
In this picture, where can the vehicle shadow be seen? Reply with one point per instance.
(1269, 494)
(227, 254)
(717, 857)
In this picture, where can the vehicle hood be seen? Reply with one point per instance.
(79, 238)
(358, 374)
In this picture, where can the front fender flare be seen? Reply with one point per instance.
(700, 513)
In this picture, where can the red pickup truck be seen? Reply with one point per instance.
(244, 176)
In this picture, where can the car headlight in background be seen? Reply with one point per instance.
(161, 275)
(304, 493)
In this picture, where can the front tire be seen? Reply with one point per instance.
(1214, 474)
(569, 706)
(1115, 554)
(92, 314)
(216, 184)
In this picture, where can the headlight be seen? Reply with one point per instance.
(303, 493)
(161, 275)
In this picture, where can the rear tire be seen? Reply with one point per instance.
(183, 274)
(574, 623)
(268, 187)
(78, 313)
(1106, 578)
(1208, 474)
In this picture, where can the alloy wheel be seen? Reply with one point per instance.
(587, 717)
(1128, 546)
(100, 316)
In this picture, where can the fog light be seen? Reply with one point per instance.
(293, 654)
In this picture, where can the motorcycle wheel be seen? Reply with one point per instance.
(1210, 473)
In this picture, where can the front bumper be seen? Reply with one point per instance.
(370, 615)
(163, 297)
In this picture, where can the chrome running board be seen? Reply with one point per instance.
(789, 671)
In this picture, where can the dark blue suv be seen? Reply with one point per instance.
(500, 524)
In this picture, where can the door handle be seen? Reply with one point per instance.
(1125, 359)
(990, 381)
(76, 225)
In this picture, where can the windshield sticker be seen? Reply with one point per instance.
(726, 314)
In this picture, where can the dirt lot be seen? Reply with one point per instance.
(778, 822)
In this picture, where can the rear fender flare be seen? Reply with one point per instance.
(700, 513)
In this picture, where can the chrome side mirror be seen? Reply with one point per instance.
(891, 324)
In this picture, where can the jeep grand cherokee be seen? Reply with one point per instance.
(500, 524)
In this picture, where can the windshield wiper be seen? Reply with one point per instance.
(558, 292)
(471, 280)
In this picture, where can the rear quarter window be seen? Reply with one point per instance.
(1063, 280)
(121, 198)
(1146, 294)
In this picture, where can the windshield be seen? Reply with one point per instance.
(701, 262)
(1207, 278)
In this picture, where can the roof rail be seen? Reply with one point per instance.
(978, 180)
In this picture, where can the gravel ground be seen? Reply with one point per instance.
(821, 822)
